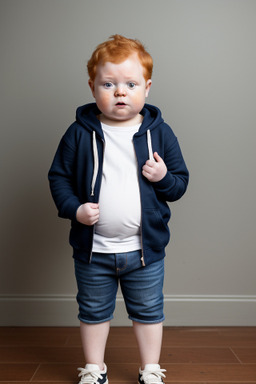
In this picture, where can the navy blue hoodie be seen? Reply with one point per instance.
(76, 172)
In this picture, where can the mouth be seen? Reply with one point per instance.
(120, 103)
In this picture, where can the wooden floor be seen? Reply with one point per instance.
(190, 355)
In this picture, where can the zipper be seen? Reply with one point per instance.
(95, 162)
(142, 251)
(141, 237)
(90, 259)
(141, 230)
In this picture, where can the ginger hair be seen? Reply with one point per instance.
(116, 50)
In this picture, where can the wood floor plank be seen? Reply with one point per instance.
(56, 372)
(195, 355)
(246, 355)
(125, 355)
(198, 337)
(214, 372)
(41, 354)
(214, 337)
(239, 336)
(14, 372)
(34, 336)
(236, 330)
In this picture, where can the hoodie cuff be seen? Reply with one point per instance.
(69, 211)
(165, 183)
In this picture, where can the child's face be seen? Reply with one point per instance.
(120, 91)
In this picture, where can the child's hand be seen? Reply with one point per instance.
(88, 213)
(154, 170)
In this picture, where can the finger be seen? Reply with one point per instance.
(147, 175)
(147, 169)
(157, 157)
(150, 163)
(95, 213)
(95, 217)
(94, 205)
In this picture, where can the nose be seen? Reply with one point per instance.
(120, 91)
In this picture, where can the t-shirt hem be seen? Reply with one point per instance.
(119, 249)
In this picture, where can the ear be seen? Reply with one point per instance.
(148, 86)
(91, 85)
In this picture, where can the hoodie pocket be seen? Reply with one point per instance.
(155, 231)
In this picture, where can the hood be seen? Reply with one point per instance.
(86, 115)
(152, 117)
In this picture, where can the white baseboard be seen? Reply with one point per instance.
(180, 310)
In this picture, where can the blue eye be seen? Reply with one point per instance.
(108, 85)
(131, 85)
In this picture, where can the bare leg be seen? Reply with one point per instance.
(94, 339)
(149, 339)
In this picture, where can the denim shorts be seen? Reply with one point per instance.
(142, 287)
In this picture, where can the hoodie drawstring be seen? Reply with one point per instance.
(96, 157)
(96, 162)
(149, 142)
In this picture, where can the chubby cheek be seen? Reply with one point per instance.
(103, 101)
(138, 100)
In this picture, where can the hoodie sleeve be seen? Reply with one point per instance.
(173, 186)
(61, 178)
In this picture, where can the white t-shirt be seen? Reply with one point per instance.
(118, 228)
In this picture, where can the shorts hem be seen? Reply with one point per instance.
(86, 321)
(147, 321)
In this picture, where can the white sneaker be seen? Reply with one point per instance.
(152, 374)
(92, 374)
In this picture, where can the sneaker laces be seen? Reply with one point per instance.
(153, 376)
(89, 376)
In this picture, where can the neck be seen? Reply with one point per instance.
(121, 123)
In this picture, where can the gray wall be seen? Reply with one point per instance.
(204, 83)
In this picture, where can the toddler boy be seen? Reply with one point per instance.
(114, 171)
